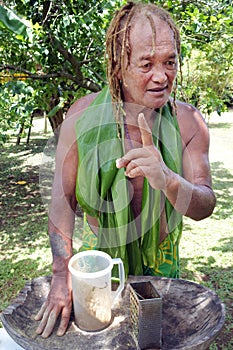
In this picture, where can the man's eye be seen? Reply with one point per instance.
(171, 64)
(145, 66)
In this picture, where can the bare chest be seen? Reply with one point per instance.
(135, 186)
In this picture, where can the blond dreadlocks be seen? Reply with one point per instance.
(118, 46)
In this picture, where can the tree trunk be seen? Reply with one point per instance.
(57, 119)
(20, 134)
(30, 128)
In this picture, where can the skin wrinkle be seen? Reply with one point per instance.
(118, 49)
(58, 245)
(118, 33)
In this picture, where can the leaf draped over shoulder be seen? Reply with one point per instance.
(102, 189)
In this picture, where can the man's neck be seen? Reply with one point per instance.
(132, 111)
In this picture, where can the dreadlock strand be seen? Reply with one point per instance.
(112, 49)
(118, 49)
(113, 44)
(125, 43)
(152, 23)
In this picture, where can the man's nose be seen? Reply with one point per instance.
(159, 74)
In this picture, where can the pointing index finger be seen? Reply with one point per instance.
(146, 134)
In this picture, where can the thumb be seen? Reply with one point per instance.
(146, 134)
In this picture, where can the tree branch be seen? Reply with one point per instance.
(98, 75)
(67, 55)
(84, 83)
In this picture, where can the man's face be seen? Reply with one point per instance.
(150, 75)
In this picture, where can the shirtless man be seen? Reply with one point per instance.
(141, 72)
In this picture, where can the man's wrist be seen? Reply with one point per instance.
(60, 266)
(174, 184)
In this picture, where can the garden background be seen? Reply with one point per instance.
(51, 53)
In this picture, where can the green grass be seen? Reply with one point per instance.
(25, 251)
(206, 247)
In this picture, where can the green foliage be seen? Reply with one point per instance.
(9, 20)
(59, 46)
(18, 101)
(207, 77)
(65, 56)
(207, 54)
(207, 38)
(16, 106)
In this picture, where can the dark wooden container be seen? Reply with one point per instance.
(191, 319)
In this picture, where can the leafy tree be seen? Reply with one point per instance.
(58, 53)
(207, 52)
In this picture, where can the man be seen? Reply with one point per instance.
(135, 159)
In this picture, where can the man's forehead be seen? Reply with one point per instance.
(144, 38)
(143, 18)
(143, 27)
(145, 56)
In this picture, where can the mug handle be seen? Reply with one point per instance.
(121, 272)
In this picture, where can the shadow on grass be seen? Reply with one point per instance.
(22, 214)
(225, 244)
(223, 187)
(205, 269)
(23, 219)
(15, 274)
(220, 125)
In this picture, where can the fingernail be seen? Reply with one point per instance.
(38, 331)
(118, 161)
(45, 335)
(141, 115)
(60, 333)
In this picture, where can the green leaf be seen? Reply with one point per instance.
(56, 108)
(12, 22)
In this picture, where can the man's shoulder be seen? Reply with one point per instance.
(73, 114)
(188, 113)
(191, 121)
(80, 105)
(185, 109)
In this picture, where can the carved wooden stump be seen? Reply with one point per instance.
(192, 317)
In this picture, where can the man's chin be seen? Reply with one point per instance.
(157, 103)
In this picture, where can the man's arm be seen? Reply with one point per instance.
(190, 194)
(61, 224)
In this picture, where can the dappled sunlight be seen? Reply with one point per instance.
(206, 247)
(25, 250)
(223, 187)
(18, 246)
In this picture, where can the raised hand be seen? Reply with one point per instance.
(145, 161)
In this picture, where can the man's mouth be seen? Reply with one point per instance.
(158, 89)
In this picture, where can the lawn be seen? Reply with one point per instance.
(206, 246)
